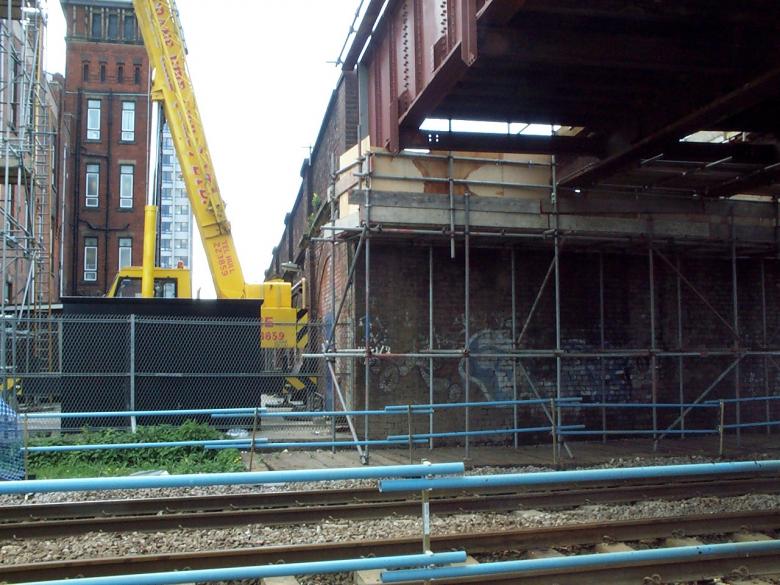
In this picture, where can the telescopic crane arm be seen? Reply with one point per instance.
(172, 86)
(282, 325)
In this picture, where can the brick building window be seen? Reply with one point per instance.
(137, 74)
(126, 186)
(125, 252)
(90, 259)
(120, 73)
(96, 24)
(129, 24)
(128, 121)
(93, 185)
(102, 73)
(93, 119)
(113, 26)
(85, 71)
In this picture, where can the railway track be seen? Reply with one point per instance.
(274, 509)
(577, 538)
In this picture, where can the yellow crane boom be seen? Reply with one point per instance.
(172, 87)
(161, 30)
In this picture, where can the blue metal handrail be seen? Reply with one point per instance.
(681, 553)
(226, 443)
(120, 413)
(267, 571)
(417, 436)
(267, 445)
(673, 405)
(238, 478)
(746, 399)
(425, 408)
(586, 433)
(580, 475)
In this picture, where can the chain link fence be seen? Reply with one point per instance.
(133, 363)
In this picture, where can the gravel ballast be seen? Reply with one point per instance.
(96, 545)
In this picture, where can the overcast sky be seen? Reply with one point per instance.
(262, 80)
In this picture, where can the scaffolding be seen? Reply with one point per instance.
(746, 232)
(28, 116)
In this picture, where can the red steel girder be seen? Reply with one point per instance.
(419, 51)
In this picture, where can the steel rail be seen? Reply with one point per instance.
(253, 500)
(486, 542)
(53, 520)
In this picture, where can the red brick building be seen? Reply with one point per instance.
(105, 108)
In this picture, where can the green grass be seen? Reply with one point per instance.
(174, 460)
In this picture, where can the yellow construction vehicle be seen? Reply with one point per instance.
(283, 326)
(166, 283)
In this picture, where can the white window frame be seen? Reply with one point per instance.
(93, 119)
(90, 268)
(92, 198)
(128, 121)
(126, 181)
(125, 252)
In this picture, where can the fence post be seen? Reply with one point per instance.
(426, 516)
(254, 434)
(59, 344)
(26, 447)
(720, 426)
(409, 427)
(554, 430)
(133, 425)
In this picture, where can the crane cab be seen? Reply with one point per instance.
(169, 283)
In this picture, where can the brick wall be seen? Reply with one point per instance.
(111, 72)
(399, 316)
(337, 134)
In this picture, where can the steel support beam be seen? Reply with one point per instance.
(734, 102)
(499, 12)
(484, 142)
(362, 34)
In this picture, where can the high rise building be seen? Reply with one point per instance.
(106, 106)
(175, 224)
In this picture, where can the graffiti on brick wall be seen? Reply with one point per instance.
(493, 377)
(589, 377)
(378, 339)
(445, 389)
